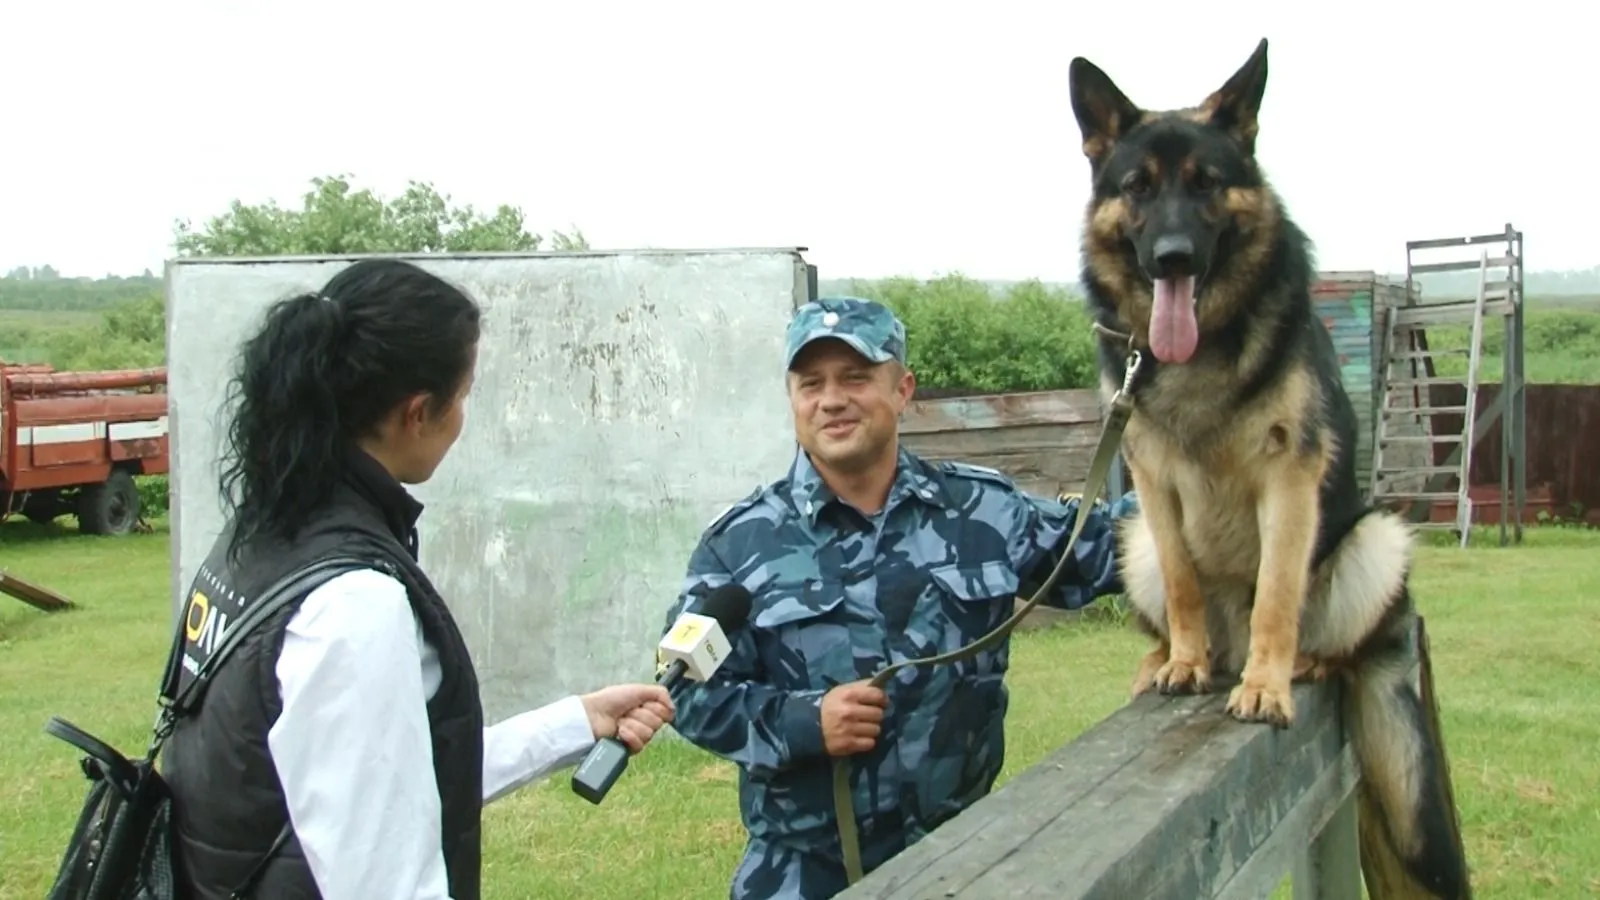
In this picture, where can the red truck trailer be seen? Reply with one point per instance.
(72, 442)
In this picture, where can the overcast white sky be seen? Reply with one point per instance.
(890, 138)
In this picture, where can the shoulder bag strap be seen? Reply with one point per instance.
(169, 678)
(175, 704)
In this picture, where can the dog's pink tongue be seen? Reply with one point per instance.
(1173, 332)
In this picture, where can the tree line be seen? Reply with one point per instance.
(963, 335)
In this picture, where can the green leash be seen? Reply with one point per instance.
(1099, 469)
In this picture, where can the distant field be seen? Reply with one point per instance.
(1587, 302)
(24, 332)
(45, 319)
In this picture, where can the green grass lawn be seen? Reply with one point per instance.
(1513, 630)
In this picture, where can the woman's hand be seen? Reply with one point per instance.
(632, 713)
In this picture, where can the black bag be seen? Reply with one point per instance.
(122, 846)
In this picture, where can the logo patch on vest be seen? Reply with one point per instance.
(203, 626)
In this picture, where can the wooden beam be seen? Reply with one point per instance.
(1463, 265)
(32, 594)
(1167, 798)
(1451, 312)
(1441, 243)
(972, 443)
(1325, 872)
(987, 411)
(1363, 277)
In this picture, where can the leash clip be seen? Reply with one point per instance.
(1123, 399)
(1132, 369)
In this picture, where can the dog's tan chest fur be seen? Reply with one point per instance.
(1216, 502)
(1218, 462)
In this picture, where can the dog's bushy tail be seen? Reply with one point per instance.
(1403, 767)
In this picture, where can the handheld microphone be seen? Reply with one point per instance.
(697, 645)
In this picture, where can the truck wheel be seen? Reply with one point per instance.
(111, 507)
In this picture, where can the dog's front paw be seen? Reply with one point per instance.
(1257, 700)
(1145, 678)
(1179, 676)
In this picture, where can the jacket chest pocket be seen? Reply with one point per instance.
(974, 599)
(808, 638)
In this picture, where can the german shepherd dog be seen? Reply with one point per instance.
(1253, 552)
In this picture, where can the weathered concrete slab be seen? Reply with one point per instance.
(623, 400)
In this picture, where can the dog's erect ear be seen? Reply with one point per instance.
(1104, 113)
(1234, 107)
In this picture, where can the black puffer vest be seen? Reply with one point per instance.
(228, 804)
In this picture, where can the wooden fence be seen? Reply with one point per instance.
(1045, 440)
(1563, 442)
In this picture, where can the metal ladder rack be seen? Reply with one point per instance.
(1418, 478)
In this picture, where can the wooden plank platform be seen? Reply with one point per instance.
(1168, 798)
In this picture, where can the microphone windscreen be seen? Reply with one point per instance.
(729, 605)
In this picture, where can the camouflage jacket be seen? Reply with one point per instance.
(837, 596)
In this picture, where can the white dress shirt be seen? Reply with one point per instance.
(353, 750)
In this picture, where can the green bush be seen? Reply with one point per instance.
(153, 500)
(962, 335)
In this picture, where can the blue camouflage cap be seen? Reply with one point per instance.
(869, 327)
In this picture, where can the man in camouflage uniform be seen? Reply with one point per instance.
(865, 555)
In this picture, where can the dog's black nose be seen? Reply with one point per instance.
(1174, 255)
